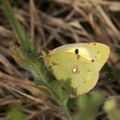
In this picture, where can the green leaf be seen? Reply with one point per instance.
(61, 93)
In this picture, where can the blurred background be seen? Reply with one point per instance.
(53, 23)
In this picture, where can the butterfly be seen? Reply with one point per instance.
(79, 62)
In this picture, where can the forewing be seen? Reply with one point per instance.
(96, 53)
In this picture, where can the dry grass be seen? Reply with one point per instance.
(61, 21)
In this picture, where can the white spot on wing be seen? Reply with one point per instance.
(75, 69)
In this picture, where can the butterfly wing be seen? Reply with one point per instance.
(95, 52)
(66, 65)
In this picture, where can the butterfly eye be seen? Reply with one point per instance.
(76, 51)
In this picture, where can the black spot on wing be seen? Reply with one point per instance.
(77, 51)
(92, 60)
